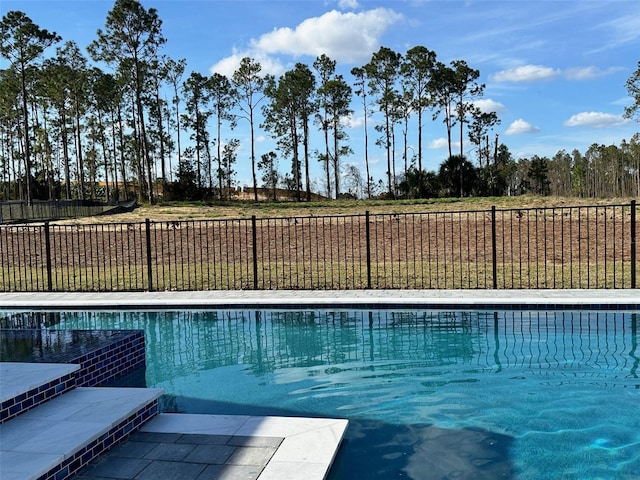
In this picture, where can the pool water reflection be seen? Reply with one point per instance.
(429, 394)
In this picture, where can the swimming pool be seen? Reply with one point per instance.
(429, 394)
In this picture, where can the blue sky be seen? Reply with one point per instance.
(554, 70)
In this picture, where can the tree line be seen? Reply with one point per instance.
(69, 129)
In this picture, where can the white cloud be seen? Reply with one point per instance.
(438, 143)
(348, 4)
(345, 37)
(595, 119)
(352, 122)
(375, 160)
(520, 127)
(441, 143)
(623, 101)
(623, 30)
(529, 73)
(587, 73)
(487, 105)
(525, 73)
(230, 64)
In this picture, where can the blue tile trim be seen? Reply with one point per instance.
(111, 362)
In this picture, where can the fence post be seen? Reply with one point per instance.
(149, 269)
(254, 237)
(633, 245)
(368, 236)
(47, 246)
(494, 248)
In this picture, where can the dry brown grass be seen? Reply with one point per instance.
(240, 210)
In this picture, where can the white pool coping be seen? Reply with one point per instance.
(322, 298)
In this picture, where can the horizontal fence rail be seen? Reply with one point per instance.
(530, 248)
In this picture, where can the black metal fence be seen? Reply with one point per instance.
(559, 247)
(17, 211)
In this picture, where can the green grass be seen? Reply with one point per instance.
(323, 275)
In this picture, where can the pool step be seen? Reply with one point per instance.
(57, 437)
(24, 386)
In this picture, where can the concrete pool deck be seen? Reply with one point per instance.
(521, 299)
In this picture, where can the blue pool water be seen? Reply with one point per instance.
(429, 394)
